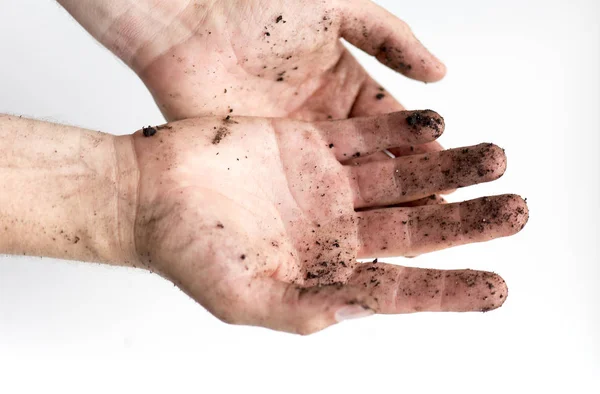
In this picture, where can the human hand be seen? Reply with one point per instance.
(258, 220)
(272, 58)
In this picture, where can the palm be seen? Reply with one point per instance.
(296, 199)
(289, 63)
(290, 212)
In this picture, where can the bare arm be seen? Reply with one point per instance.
(66, 192)
(260, 220)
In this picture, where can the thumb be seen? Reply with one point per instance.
(381, 34)
(291, 308)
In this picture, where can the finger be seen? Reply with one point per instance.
(372, 99)
(359, 137)
(381, 34)
(399, 289)
(414, 177)
(292, 308)
(415, 231)
(372, 288)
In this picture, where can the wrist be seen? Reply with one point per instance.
(66, 192)
(137, 31)
(126, 197)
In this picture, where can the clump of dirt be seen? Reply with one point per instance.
(149, 131)
(421, 119)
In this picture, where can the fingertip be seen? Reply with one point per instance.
(495, 292)
(518, 206)
(488, 218)
(423, 121)
(498, 157)
(509, 210)
(435, 71)
(391, 40)
(493, 162)
(440, 122)
(472, 291)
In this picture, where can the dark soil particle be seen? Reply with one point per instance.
(243, 257)
(331, 146)
(380, 96)
(279, 19)
(149, 131)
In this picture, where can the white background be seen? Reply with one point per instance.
(523, 74)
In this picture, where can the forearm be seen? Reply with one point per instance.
(66, 192)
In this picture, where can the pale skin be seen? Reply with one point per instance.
(258, 219)
(271, 58)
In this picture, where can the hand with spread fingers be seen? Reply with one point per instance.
(260, 222)
(260, 219)
(272, 58)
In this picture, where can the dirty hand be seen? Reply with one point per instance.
(273, 58)
(258, 219)
(261, 223)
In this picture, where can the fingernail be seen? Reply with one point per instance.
(352, 312)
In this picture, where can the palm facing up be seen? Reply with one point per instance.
(260, 222)
(258, 57)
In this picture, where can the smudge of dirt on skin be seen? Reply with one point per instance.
(495, 212)
(469, 164)
(221, 133)
(394, 58)
(331, 261)
(420, 119)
